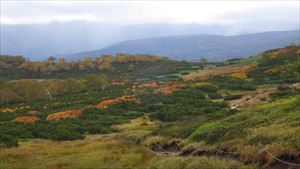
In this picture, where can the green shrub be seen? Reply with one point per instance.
(65, 132)
(185, 73)
(233, 97)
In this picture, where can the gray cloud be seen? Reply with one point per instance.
(234, 13)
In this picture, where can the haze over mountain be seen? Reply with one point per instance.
(192, 47)
(38, 41)
(37, 29)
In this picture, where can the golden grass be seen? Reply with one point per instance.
(205, 74)
(90, 153)
(197, 163)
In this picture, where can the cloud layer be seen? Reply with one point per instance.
(133, 12)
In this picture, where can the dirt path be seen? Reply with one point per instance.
(251, 99)
(175, 150)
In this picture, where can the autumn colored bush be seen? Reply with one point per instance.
(63, 114)
(105, 103)
(153, 84)
(239, 75)
(26, 119)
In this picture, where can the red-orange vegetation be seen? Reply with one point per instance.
(275, 53)
(33, 112)
(26, 119)
(154, 84)
(104, 104)
(63, 114)
(169, 89)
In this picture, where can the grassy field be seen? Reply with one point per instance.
(109, 151)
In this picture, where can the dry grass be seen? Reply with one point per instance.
(90, 153)
(197, 163)
(205, 74)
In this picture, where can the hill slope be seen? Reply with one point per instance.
(192, 47)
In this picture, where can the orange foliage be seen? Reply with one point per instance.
(63, 114)
(169, 89)
(104, 104)
(26, 119)
(33, 112)
(154, 84)
(7, 110)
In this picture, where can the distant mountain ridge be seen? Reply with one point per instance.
(38, 41)
(193, 47)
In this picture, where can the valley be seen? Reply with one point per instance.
(151, 112)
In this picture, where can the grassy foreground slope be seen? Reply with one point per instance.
(273, 126)
(103, 151)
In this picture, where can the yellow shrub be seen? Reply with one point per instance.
(239, 75)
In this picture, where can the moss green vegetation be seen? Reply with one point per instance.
(274, 125)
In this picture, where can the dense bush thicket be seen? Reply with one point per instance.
(188, 102)
(91, 121)
(278, 66)
(32, 90)
(272, 116)
(232, 97)
(227, 82)
(119, 66)
(284, 91)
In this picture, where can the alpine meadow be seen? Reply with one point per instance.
(150, 85)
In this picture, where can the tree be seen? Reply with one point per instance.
(104, 62)
(27, 90)
(293, 69)
(130, 67)
(97, 82)
(86, 64)
(7, 95)
(203, 60)
(63, 65)
(105, 66)
(120, 57)
(51, 59)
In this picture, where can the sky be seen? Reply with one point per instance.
(238, 13)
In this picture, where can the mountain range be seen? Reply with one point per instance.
(193, 47)
(38, 41)
(74, 40)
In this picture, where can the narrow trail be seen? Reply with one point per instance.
(175, 149)
(225, 155)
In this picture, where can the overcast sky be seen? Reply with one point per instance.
(238, 13)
